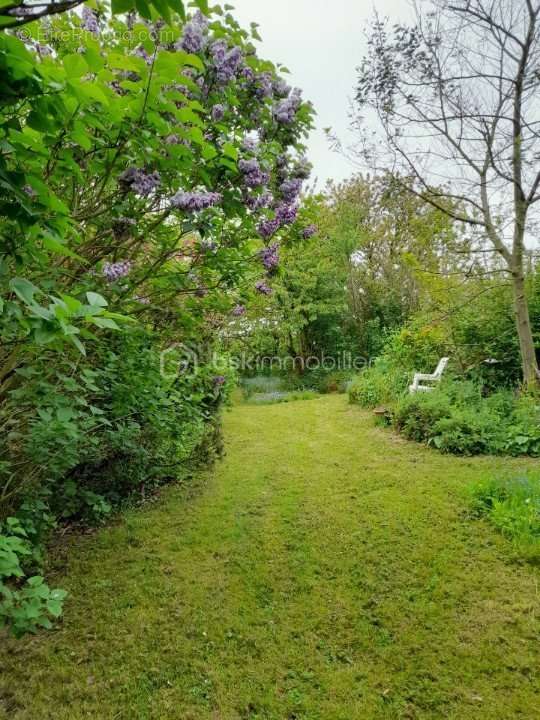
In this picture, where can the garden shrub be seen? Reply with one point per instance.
(512, 504)
(415, 415)
(380, 384)
(110, 257)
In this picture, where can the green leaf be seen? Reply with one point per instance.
(24, 290)
(78, 344)
(96, 299)
(121, 6)
(75, 65)
(230, 151)
(104, 322)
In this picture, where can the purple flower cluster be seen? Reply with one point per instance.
(141, 52)
(220, 380)
(239, 310)
(268, 227)
(139, 182)
(249, 144)
(256, 202)
(264, 87)
(302, 168)
(263, 288)
(247, 74)
(270, 257)
(172, 140)
(290, 189)
(218, 111)
(89, 21)
(226, 62)
(280, 87)
(309, 231)
(195, 201)
(253, 175)
(285, 110)
(117, 270)
(193, 39)
(286, 214)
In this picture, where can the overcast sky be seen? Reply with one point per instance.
(321, 42)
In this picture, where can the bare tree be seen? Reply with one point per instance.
(457, 95)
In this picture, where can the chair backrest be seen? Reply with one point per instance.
(443, 362)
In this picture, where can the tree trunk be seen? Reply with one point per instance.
(529, 363)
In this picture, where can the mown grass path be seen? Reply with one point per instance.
(325, 570)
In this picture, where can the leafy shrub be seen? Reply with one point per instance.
(456, 418)
(26, 602)
(380, 384)
(512, 504)
(416, 415)
(329, 381)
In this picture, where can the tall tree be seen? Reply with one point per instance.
(457, 96)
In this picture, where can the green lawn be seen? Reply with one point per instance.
(325, 570)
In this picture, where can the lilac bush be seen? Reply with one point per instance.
(195, 201)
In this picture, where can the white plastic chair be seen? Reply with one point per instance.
(426, 377)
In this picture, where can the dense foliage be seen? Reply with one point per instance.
(512, 504)
(145, 168)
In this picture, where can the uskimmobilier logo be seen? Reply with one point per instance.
(178, 359)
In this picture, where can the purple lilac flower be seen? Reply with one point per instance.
(270, 257)
(281, 89)
(264, 85)
(263, 288)
(140, 182)
(250, 144)
(117, 270)
(141, 52)
(220, 380)
(218, 50)
(286, 214)
(251, 170)
(290, 189)
(309, 231)
(247, 74)
(302, 168)
(218, 111)
(239, 310)
(172, 140)
(226, 62)
(89, 21)
(256, 202)
(268, 227)
(193, 39)
(285, 110)
(195, 201)
(43, 50)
